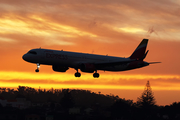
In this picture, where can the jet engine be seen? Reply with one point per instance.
(88, 67)
(59, 68)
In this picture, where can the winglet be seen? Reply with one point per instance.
(139, 53)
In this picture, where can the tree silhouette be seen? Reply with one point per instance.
(146, 104)
(146, 99)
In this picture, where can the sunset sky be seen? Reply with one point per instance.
(113, 27)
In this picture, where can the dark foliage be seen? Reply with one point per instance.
(58, 102)
(67, 100)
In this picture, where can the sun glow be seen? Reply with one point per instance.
(67, 80)
(69, 76)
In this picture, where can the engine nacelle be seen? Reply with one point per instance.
(88, 67)
(59, 68)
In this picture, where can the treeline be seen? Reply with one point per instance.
(81, 98)
(102, 106)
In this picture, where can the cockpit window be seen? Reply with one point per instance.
(32, 52)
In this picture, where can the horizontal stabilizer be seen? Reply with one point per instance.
(154, 62)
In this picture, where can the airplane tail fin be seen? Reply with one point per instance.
(140, 52)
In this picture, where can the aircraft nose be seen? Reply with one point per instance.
(24, 57)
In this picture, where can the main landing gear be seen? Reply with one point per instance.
(38, 66)
(77, 74)
(96, 75)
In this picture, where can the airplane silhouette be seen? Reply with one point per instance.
(61, 61)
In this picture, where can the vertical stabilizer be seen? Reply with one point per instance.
(139, 53)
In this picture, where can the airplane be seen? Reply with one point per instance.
(61, 60)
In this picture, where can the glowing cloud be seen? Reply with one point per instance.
(41, 27)
(131, 30)
(3, 39)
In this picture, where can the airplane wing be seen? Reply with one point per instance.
(104, 64)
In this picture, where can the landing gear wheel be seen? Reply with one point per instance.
(37, 70)
(77, 74)
(96, 75)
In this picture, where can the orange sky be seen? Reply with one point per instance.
(113, 27)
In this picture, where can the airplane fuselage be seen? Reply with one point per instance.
(74, 59)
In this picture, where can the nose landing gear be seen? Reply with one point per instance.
(38, 66)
